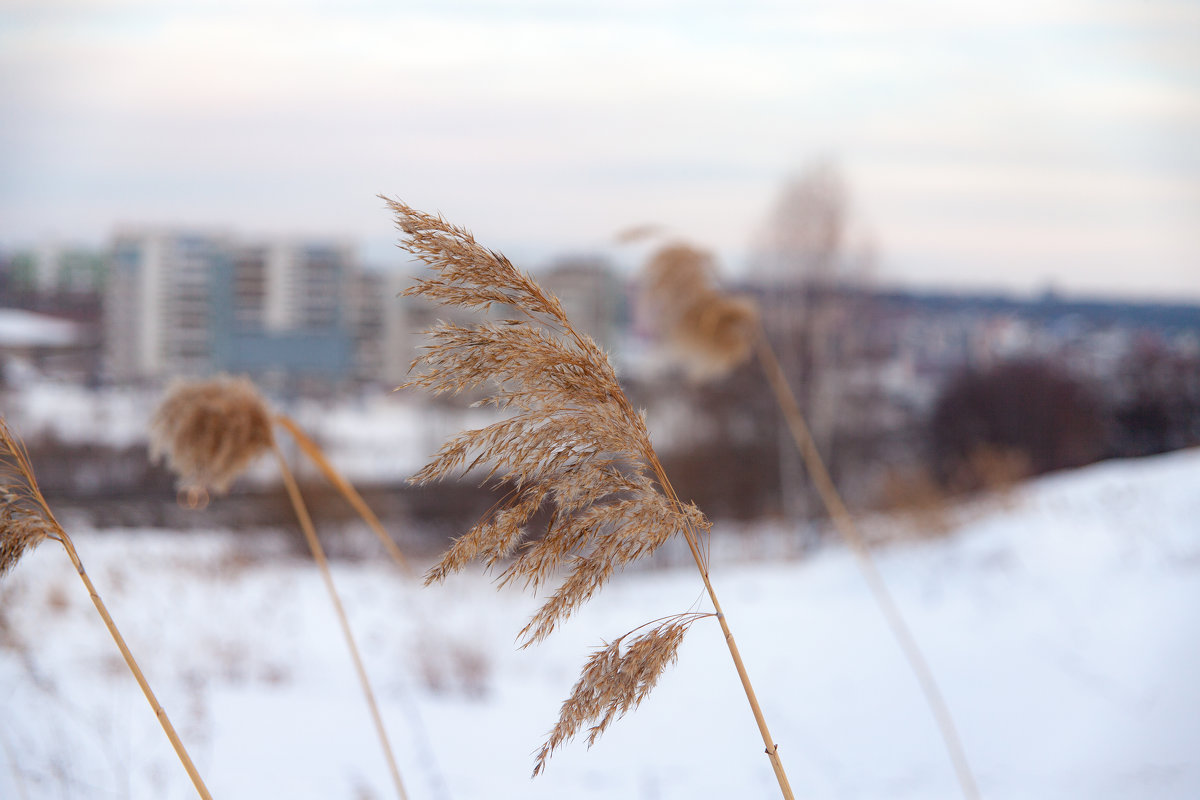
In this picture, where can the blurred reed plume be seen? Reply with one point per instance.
(710, 332)
(573, 443)
(26, 521)
(679, 281)
(210, 431)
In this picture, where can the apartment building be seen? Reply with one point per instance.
(159, 303)
(190, 303)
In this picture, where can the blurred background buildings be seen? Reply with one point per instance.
(931, 204)
(187, 304)
(904, 389)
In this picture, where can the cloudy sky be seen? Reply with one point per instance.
(1017, 145)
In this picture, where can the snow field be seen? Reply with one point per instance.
(1062, 628)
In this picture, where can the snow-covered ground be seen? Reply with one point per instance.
(1063, 627)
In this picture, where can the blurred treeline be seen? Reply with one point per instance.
(889, 441)
(985, 426)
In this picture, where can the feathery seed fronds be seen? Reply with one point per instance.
(614, 681)
(574, 443)
(25, 518)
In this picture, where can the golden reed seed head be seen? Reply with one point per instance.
(573, 442)
(25, 520)
(614, 681)
(710, 332)
(210, 431)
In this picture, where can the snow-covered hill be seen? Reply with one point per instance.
(1063, 627)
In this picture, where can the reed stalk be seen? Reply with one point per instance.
(317, 456)
(210, 431)
(26, 519)
(161, 714)
(713, 332)
(843, 520)
(318, 554)
(771, 749)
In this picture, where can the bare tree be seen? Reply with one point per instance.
(804, 258)
(803, 238)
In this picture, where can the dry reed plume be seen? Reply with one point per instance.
(679, 281)
(210, 431)
(616, 679)
(26, 521)
(573, 443)
(709, 331)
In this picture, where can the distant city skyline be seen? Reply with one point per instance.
(1020, 147)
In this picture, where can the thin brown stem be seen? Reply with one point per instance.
(318, 552)
(772, 749)
(12, 448)
(167, 727)
(845, 525)
(317, 456)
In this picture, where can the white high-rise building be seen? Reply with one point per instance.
(289, 285)
(193, 303)
(159, 303)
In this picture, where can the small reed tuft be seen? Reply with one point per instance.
(209, 431)
(614, 681)
(711, 332)
(25, 519)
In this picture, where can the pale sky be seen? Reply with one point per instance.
(1009, 145)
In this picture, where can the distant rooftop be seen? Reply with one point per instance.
(1050, 306)
(27, 329)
